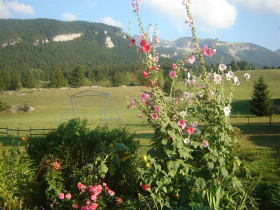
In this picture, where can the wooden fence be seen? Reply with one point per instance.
(32, 131)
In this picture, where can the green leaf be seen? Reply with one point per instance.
(121, 147)
(112, 168)
(103, 170)
(210, 165)
(116, 159)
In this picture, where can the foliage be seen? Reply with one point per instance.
(17, 180)
(28, 80)
(58, 79)
(77, 77)
(261, 103)
(73, 154)
(4, 106)
(191, 157)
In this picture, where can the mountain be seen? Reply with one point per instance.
(48, 44)
(252, 53)
(277, 51)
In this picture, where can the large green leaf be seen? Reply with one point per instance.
(116, 159)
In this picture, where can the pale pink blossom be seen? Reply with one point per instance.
(186, 140)
(133, 4)
(195, 46)
(154, 116)
(203, 50)
(111, 193)
(144, 96)
(222, 67)
(172, 74)
(191, 59)
(247, 76)
(228, 77)
(208, 53)
(205, 144)
(186, 95)
(186, 69)
(231, 74)
(214, 51)
(138, 115)
(182, 124)
(226, 111)
(195, 124)
(139, 1)
(217, 78)
(174, 66)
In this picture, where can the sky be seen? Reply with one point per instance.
(252, 21)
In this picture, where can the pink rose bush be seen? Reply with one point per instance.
(191, 151)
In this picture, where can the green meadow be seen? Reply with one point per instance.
(260, 141)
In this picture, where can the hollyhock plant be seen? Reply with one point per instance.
(179, 150)
(247, 76)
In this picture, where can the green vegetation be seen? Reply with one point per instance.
(261, 104)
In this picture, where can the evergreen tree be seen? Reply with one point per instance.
(77, 77)
(261, 104)
(28, 80)
(15, 81)
(58, 79)
(234, 66)
(5, 80)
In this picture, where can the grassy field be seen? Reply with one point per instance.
(260, 141)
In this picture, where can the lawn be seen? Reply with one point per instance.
(260, 141)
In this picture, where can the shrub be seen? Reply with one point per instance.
(17, 180)
(4, 106)
(73, 154)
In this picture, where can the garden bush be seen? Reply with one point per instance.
(73, 162)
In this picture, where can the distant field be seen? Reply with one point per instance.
(258, 138)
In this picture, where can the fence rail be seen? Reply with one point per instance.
(8, 131)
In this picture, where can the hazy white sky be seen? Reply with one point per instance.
(254, 21)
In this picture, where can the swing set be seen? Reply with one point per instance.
(94, 105)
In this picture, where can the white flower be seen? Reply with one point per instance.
(230, 73)
(228, 77)
(183, 113)
(247, 76)
(222, 67)
(186, 140)
(235, 79)
(195, 124)
(226, 111)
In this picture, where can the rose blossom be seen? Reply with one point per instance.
(61, 196)
(190, 130)
(68, 196)
(205, 144)
(182, 124)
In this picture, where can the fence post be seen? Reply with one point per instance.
(248, 120)
(7, 131)
(270, 121)
(30, 132)
(43, 130)
(238, 114)
(18, 132)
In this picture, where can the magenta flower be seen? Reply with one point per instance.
(205, 144)
(191, 59)
(174, 66)
(138, 115)
(182, 124)
(157, 108)
(146, 48)
(172, 74)
(111, 193)
(203, 50)
(154, 116)
(144, 96)
(146, 74)
(208, 53)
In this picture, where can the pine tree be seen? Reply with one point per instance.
(28, 80)
(261, 104)
(15, 80)
(5, 80)
(58, 79)
(77, 77)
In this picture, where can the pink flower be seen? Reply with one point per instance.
(127, 107)
(187, 140)
(182, 124)
(111, 193)
(217, 78)
(149, 85)
(143, 42)
(205, 144)
(172, 74)
(190, 130)
(139, 1)
(186, 95)
(133, 104)
(68, 196)
(144, 96)
(199, 85)
(133, 4)
(138, 115)
(61, 196)
(195, 124)
(146, 74)
(195, 46)
(208, 53)
(176, 100)
(129, 46)
(145, 187)
(75, 205)
(226, 111)
(190, 102)
(154, 116)
(186, 69)
(203, 50)
(132, 41)
(157, 108)
(191, 59)
(174, 66)
(88, 202)
(214, 51)
(93, 197)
